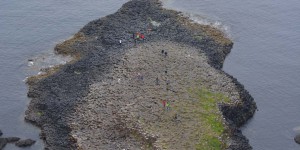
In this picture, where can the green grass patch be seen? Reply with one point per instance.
(198, 37)
(210, 143)
(39, 113)
(65, 48)
(194, 122)
(211, 118)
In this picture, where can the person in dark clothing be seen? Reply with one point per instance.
(157, 81)
(168, 105)
(168, 82)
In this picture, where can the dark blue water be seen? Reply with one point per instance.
(265, 58)
(29, 29)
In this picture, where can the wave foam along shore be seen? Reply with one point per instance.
(107, 97)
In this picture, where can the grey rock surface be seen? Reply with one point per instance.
(25, 143)
(3, 142)
(93, 102)
(12, 139)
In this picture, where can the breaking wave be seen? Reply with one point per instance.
(205, 21)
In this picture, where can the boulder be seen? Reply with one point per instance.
(25, 143)
(3, 142)
(12, 139)
(297, 138)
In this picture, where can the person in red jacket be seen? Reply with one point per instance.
(142, 37)
(164, 102)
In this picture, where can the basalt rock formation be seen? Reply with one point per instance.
(109, 96)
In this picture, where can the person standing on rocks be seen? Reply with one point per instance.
(157, 81)
(138, 36)
(142, 37)
(134, 38)
(164, 102)
(168, 105)
(140, 76)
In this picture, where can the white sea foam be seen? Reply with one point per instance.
(205, 21)
(30, 63)
(25, 79)
(297, 129)
(47, 60)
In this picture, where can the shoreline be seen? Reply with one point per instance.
(56, 96)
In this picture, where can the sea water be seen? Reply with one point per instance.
(265, 58)
(29, 30)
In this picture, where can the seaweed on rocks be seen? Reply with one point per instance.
(59, 101)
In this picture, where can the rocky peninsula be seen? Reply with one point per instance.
(111, 96)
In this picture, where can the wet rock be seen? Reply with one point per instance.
(1, 133)
(297, 138)
(12, 139)
(25, 143)
(3, 142)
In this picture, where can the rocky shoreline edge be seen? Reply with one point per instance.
(14, 140)
(66, 104)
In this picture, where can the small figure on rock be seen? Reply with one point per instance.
(176, 118)
(135, 36)
(140, 76)
(164, 102)
(157, 81)
(138, 35)
(166, 54)
(168, 106)
(162, 51)
(168, 82)
(142, 37)
(120, 42)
